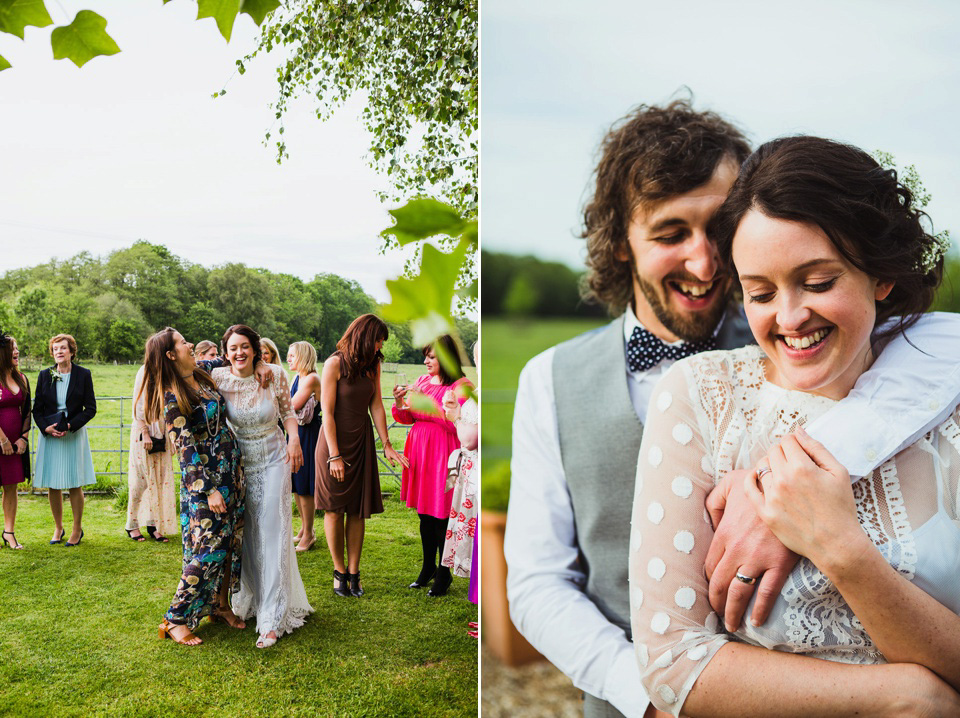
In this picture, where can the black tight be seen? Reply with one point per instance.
(433, 533)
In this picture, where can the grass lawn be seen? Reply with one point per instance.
(78, 633)
(104, 430)
(507, 346)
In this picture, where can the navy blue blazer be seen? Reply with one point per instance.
(81, 402)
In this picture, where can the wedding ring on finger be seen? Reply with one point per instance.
(763, 471)
(746, 579)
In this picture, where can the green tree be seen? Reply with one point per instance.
(107, 309)
(125, 341)
(242, 296)
(86, 37)
(393, 350)
(298, 315)
(339, 301)
(34, 321)
(148, 275)
(201, 322)
(416, 64)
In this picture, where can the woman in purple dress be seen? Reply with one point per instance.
(14, 429)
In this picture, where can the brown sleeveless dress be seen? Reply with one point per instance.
(359, 492)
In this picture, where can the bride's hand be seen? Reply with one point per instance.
(294, 454)
(264, 374)
(807, 501)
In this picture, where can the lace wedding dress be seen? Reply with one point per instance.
(270, 585)
(715, 412)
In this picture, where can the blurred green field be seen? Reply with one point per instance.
(109, 431)
(507, 346)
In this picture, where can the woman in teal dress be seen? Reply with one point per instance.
(212, 490)
(64, 403)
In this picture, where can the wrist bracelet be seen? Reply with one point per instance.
(334, 458)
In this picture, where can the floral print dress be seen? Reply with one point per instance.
(209, 459)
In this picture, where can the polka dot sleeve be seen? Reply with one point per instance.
(675, 632)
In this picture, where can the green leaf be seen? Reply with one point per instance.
(259, 9)
(223, 11)
(471, 233)
(3, 63)
(83, 39)
(447, 361)
(423, 403)
(425, 300)
(15, 15)
(422, 218)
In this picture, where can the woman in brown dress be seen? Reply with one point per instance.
(347, 479)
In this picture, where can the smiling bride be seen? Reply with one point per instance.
(270, 585)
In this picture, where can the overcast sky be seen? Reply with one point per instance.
(556, 73)
(133, 147)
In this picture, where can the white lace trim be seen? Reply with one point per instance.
(743, 415)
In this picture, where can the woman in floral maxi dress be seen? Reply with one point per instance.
(212, 490)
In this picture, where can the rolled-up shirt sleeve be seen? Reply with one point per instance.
(675, 631)
(544, 580)
(911, 388)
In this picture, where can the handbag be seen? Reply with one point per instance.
(453, 468)
(305, 415)
(57, 420)
(159, 444)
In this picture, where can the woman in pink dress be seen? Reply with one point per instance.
(14, 428)
(427, 448)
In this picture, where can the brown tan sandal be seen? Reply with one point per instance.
(224, 617)
(165, 630)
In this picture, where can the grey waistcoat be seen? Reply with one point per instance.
(599, 442)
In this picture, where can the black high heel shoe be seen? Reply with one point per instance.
(342, 588)
(441, 583)
(154, 534)
(63, 532)
(17, 545)
(355, 588)
(424, 578)
(139, 538)
(78, 540)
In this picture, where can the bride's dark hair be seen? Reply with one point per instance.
(868, 214)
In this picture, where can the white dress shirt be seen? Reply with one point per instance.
(905, 393)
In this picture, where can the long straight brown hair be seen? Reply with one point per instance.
(6, 362)
(161, 375)
(357, 347)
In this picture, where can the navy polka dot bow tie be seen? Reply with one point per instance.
(645, 351)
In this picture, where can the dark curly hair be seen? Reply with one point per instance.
(865, 211)
(249, 334)
(651, 154)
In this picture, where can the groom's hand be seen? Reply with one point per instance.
(742, 543)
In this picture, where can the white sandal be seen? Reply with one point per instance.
(266, 641)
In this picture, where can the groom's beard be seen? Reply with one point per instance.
(688, 326)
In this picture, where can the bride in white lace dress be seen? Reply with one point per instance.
(878, 584)
(270, 585)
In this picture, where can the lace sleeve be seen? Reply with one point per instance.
(675, 631)
(469, 412)
(281, 389)
(196, 480)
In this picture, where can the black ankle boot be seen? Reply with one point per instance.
(342, 588)
(441, 583)
(355, 588)
(425, 577)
